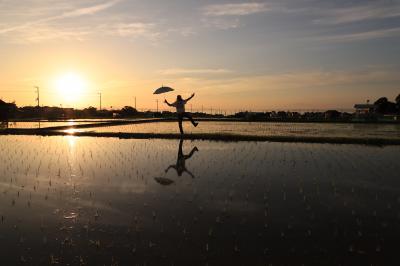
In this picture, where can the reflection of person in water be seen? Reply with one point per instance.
(181, 160)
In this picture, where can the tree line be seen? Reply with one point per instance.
(381, 106)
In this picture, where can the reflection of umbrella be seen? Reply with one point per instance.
(163, 181)
(163, 90)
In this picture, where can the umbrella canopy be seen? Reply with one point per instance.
(163, 181)
(163, 89)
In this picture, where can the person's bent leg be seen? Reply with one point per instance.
(188, 115)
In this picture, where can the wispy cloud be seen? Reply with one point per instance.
(226, 16)
(185, 71)
(47, 33)
(332, 78)
(221, 23)
(361, 36)
(53, 27)
(133, 29)
(370, 11)
(312, 82)
(314, 88)
(91, 10)
(237, 9)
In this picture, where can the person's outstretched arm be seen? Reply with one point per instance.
(190, 97)
(167, 102)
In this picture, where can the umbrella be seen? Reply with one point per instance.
(163, 89)
(164, 181)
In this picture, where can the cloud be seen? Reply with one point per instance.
(46, 33)
(89, 10)
(302, 80)
(362, 36)
(133, 29)
(225, 16)
(371, 11)
(182, 31)
(331, 78)
(239, 9)
(221, 23)
(313, 88)
(53, 28)
(183, 71)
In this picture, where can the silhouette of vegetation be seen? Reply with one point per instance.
(7, 110)
(384, 106)
(128, 111)
(381, 107)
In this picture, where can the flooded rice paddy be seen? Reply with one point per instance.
(105, 201)
(389, 131)
(48, 124)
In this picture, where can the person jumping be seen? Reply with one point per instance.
(179, 104)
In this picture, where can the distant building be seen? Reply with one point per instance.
(364, 109)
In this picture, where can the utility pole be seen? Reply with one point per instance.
(135, 103)
(38, 96)
(202, 108)
(157, 105)
(100, 99)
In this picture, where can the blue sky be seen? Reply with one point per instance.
(238, 54)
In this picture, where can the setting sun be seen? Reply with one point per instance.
(70, 86)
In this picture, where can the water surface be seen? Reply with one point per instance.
(79, 200)
(391, 131)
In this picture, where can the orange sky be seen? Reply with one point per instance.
(234, 56)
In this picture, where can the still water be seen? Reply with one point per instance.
(47, 124)
(88, 201)
(391, 131)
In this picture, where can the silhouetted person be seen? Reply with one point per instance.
(180, 166)
(179, 104)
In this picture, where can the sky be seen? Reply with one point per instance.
(234, 55)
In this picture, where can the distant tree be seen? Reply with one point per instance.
(332, 114)
(384, 106)
(7, 110)
(90, 111)
(128, 111)
(382, 100)
(398, 103)
(282, 114)
(52, 112)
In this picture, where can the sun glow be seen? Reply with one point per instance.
(70, 86)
